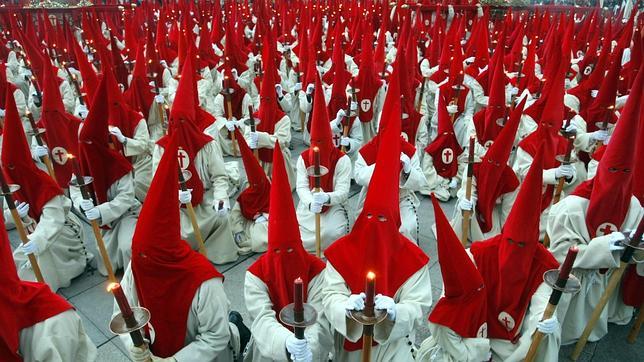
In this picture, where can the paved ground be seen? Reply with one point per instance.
(88, 294)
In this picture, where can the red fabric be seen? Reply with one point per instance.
(96, 157)
(445, 146)
(167, 272)
(183, 117)
(254, 200)
(602, 107)
(496, 108)
(236, 99)
(449, 95)
(36, 187)
(285, 260)
(22, 304)
(633, 287)
(120, 113)
(375, 244)
(367, 81)
(5, 87)
(463, 308)
(139, 96)
(512, 263)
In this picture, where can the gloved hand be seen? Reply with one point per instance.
(163, 63)
(41, 151)
(615, 241)
(465, 205)
(223, 212)
(22, 208)
(571, 128)
(452, 109)
(453, 183)
(231, 124)
(354, 106)
(261, 219)
(345, 141)
(514, 91)
(185, 197)
(479, 10)
(355, 302)
(116, 132)
(234, 74)
(386, 303)
(86, 204)
(93, 214)
(340, 115)
(278, 90)
(406, 162)
(600, 136)
(253, 140)
(82, 111)
(30, 248)
(309, 89)
(1, 112)
(548, 326)
(567, 171)
(321, 197)
(594, 93)
(159, 98)
(298, 349)
(297, 87)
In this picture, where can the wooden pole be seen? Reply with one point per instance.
(253, 128)
(193, 217)
(233, 140)
(467, 214)
(635, 330)
(613, 283)
(318, 188)
(560, 183)
(45, 159)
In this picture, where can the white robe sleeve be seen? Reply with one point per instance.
(140, 142)
(123, 200)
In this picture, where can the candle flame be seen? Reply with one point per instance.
(112, 286)
(298, 280)
(69, 155)
(316, 149)
(371, 275)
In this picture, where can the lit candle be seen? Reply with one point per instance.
(298, 296)
(76, 168)
(566, 267)
(370, 292)
(121, 300)
(316, 160)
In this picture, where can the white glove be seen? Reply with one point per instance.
(231, 124)
(278, 90)
(41, 151)
(600, 136)
(298, 349)
(614, 241)
(321, 197)
(185, 197)
(453, 183)
(309, 89)
(163, 63)
(567, 171)
(594, 93)
(452, 108)
(479, 10)
(223, 212)
(23, 209)
(406, 162)
(386, 303)
(315, 207)
(30, 248)
(465, 204)
(159, 98)
(355, 302)
(567, 83)
(297, 87)
(140, 354)
(253, 140)
(341, 114)
(514, 91)
(345, 141)
(354, 106)
(1, 112)
(261, 219)
(548, 326)
(82, 111)
(86, 204)
(234, 73)
(27, 73)
(93, 214)
(571, 128)
(116, 132)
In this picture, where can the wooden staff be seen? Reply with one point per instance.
(318, 188)
(193, 217)
(422, 94)
(74, 82)
(467, 214)
(347, 117)
(45, 159)
(557, 292)
(635, 331)
(253, 128)
(455, 101)
(96, 229)
(157, 91)
(302, 114)
(22, 233)
(613, 283)
(369, 312)
(229, 110)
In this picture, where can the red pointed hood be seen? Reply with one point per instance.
(22, 304)
(463, 308)
(120, 113)
(166, 270)
(612, 185)
(512, 263)
(139, 95)
(496, 108)
(36, 187)
(367, 81)
(375, 244)
(253, 200)
(51, 93)
(90, 80)
(445, 148)
(603, 107)
(493, 175)
(97, 159)
(285, 260)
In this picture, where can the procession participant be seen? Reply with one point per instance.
(56, 238)
(208, 183)
(375, 246)
(117, 209)
(512, 265)
(584, 219)
(7, 86)
(494, 185)
(458, 322)
(182, 290)
(290, 85)
(347, 130)
(268, 285)
(38, 325)
(331, 201)
(371, 91)
(249, 216)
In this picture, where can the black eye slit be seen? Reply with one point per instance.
(612, 169)
(382, 218)
(277, 251)
(369, 216)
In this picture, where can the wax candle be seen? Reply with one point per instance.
(316, 160)
(566, 267)
(370, 292)
(298, 296)
(121, 300)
